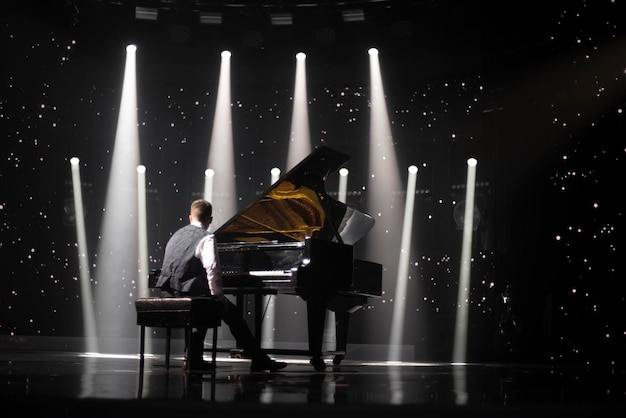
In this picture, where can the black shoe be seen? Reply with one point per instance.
(318, 364)
(198, 367)
(338, 359)
(266, 364)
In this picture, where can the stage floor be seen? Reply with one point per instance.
(75, 384)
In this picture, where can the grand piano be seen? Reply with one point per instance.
(296, 239)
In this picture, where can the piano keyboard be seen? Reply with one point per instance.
(271, 273)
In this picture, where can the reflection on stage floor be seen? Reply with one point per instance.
(60, 383)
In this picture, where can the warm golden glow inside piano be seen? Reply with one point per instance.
(296, 239)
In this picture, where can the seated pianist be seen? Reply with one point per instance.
(191, 267)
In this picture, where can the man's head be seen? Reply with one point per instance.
(201, 211)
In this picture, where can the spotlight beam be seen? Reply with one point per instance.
(221, 158)
(300, 136)
(459, 352)
(403, 269)
(116, 280)
(89, 322)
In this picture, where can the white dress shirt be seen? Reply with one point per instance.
(206, 251)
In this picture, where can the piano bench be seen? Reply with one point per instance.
(182, 312)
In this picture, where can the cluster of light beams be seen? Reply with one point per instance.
(117, 265)
(126, 210)
(221, 152)
(398, 319)
(459, 350)
(89, 322)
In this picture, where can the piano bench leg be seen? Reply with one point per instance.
(142, 347)
(213, 348)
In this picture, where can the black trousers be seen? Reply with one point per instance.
(236, 323)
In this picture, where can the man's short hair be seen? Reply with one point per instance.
(201, 210)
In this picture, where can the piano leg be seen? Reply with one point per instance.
(342, 323)
(316, 318)
(344, 306)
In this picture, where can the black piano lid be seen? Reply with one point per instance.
(297, 206)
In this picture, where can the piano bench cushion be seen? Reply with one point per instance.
(179, 312)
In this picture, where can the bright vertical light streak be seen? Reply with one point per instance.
(221, 153)
(142, 232)
(209, 175)
(343, 184)
(220, 174)
(382, 243)
(89, 322)
(142, 246)
(300, 136)
(269, 321)
(299, 148)
(459, 354)
(397, 321)
(330, 328)
(384, 177)
(274, 174)
(117, 254)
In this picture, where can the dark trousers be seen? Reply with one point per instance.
(231, 317)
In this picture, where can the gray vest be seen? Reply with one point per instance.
(182, 270)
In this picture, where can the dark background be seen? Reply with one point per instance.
(534, 90)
